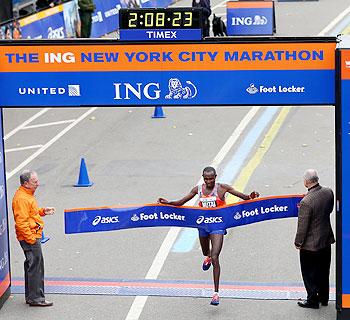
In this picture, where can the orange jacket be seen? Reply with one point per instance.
(27, 215)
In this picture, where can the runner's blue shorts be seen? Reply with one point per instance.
(204, 233)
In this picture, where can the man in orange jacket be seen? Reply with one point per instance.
(29, 226)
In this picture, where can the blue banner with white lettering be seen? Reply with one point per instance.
(345, 173)
(4, 236)
(40, 26)
(154, 3)
(149, 88)
(250, 18)
(167, 73)
(158, 215)
(160, 34)
(105, 19)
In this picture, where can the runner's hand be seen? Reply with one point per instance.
(163, 201)
(254, 194)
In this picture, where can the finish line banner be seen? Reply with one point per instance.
(159, 215)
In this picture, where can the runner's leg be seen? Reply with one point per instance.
(216, 246)
(204, 242)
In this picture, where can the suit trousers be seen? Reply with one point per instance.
(206, 27)
(33, 271)
(315, 266)
(86, 23)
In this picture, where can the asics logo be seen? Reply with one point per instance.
(96, 220)
(208, 220)
(200, 219)
(103, 220)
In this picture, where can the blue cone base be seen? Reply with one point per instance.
(45, 239)
(84, 184)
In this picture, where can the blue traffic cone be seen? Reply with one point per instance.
(43, 238)
(158, 113)
(83, 180)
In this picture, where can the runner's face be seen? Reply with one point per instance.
(209, 179)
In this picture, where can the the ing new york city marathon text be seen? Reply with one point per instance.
(165, 56)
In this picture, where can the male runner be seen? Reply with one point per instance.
(211, 195)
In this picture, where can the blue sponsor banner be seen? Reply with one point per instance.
(4, 240)
(33, 30)
(160, 34)
(250, 18)
(110, 16)
(105, 18)
(47, 24)
(155, 3)
(168, 88)
(156, 215)
(345, 111)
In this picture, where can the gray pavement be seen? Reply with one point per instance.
(132, 158)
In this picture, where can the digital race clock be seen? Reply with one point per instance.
(160, 24)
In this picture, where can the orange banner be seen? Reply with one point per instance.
(346, 300)
(159, 57)
(345, 64)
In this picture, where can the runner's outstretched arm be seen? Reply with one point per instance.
(230, 189)
(181, 201)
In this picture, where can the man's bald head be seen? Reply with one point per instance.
(310, 178)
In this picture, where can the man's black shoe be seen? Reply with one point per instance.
(325, 304)
(307, 304)
(41, 304)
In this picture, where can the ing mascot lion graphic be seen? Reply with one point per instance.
(177, 91)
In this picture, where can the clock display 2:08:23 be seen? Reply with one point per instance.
(170, 19)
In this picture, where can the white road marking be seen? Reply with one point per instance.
(37, 115)
(24, 148)
(34, 126)
(234, 137)
(47, 145)
(158, 262)
(221, 4)
(330, 26)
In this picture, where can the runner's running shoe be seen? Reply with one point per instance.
(215, 300)
(206, 263)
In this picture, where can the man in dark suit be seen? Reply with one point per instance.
(86, 9)
(314, 238)
(206, 12)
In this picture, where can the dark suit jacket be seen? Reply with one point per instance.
(314, 227)
(205, 5)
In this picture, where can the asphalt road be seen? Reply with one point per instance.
(133, 159)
